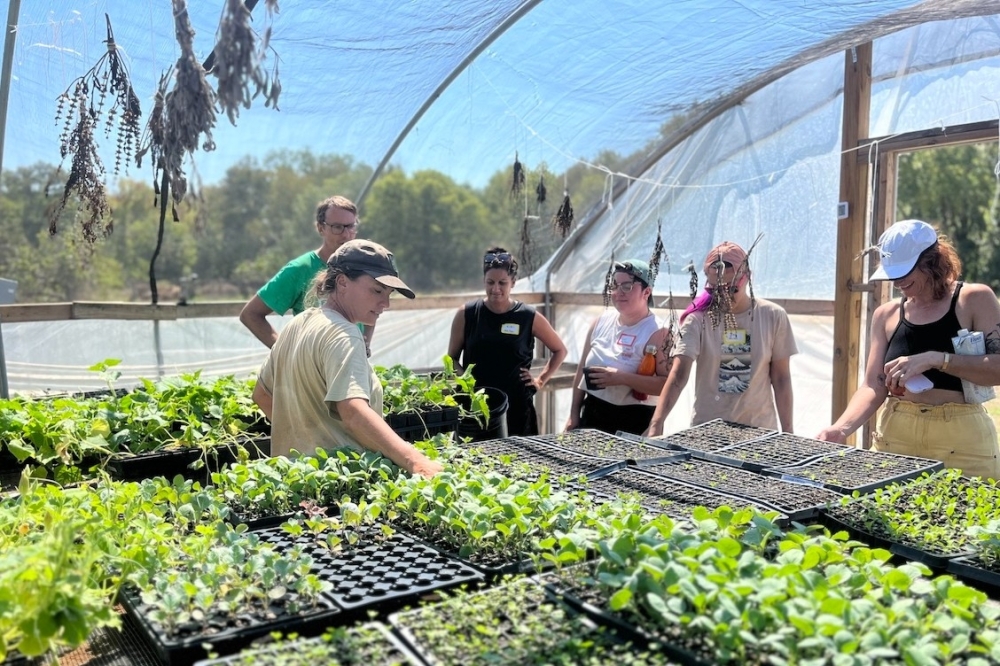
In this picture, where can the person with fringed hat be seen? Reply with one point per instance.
(740, 347)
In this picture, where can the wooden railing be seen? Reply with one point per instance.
(171, 311)
(10, 314)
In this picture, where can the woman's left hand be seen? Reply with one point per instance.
(530, 380)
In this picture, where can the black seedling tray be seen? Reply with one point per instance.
(713, 435)
(599, 444)
(542, 456)
(593, 602)
(414, 426)
(654, 489)
(797, 501)
(489, 633)
(971, 568)
(369, 644)
(377, 574)
(777, 450)
(171, 462)
(858, 470)
(167, 463)
(263, 522)
(913, 552)
(229, 634)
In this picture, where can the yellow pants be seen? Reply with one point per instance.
(958, 435)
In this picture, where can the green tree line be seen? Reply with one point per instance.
(955, 189)
(238, 232)
(235, 234)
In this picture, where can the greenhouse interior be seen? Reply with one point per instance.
(162, 160)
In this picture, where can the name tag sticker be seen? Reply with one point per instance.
(737, 337)
(510, 329)
(626, 340)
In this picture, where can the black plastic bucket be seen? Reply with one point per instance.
(496, 427)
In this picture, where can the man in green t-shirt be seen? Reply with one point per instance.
(336, 222)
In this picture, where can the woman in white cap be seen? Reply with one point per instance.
(615, 396)
(317, 386)
(912, 367)
(742, 345)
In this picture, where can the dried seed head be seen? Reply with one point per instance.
(563, 219)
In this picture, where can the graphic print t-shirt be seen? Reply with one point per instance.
(735, 363)
(721, 370)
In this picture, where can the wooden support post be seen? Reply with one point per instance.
(851, 229)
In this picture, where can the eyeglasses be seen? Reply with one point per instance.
(491, 259)
(624, 287)
(341, 228)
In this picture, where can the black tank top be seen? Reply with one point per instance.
(909, 339)
(500, 345)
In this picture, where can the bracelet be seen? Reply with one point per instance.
(947, 360)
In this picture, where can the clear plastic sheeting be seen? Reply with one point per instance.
(725, 116)
(771, 165)
(54, 356)
(556, 80)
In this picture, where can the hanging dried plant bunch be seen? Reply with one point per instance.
(525, 249)
(669, 340)
(672, 324)
(608, 278)
(721, 307)
(155, 134)
(181, 115)
(657, 255)
(540, 192)
(86, 175)
(563, 219)
(517, 178)
(239, 60)
(693, 281)
(79, 108)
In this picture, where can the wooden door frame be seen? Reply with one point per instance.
(884, 153)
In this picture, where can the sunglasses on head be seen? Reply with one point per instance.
(491, 259)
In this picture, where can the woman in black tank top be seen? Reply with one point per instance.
(496, 335)
(911, 344)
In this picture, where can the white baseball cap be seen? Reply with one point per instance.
(900, 247)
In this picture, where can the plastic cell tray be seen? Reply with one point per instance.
(371, 643)
(171, 462)
(713, 435)
(971, 569)
(912, 552)
(599, 444)
(797, 501)
(226, 635)
(376, 573)
(857, 470)
(558, 623)
(594, 604)
(675, 498)
(542, 456)
(777, 450)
